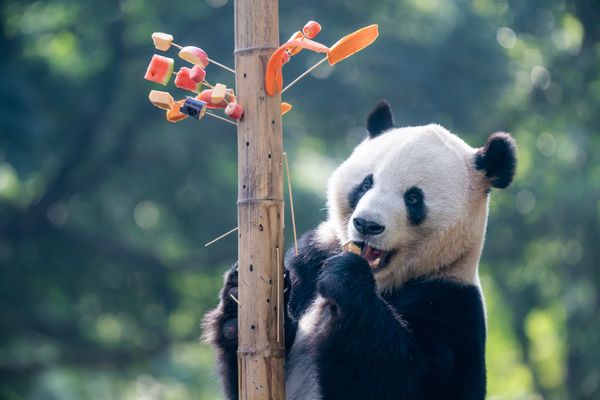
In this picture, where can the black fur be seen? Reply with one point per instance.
(498, 159)
(425, 340)
(220, 330)
(359, 191)
(380, 119)
(416, 210)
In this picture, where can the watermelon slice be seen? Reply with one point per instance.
(183, 80)
(160, 69)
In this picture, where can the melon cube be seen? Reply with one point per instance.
(160, 69)
(197, 74)
(184, 81)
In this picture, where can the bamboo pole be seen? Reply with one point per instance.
(261, 351)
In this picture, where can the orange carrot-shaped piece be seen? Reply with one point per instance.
(273, 75)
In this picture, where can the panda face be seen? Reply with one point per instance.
(415, 201)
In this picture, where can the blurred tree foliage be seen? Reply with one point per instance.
(104, 206)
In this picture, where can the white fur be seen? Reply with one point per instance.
(301, 375)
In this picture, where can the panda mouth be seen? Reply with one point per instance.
(378, 259)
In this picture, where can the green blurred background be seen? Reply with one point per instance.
(105, 206)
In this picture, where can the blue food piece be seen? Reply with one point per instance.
(194, 108)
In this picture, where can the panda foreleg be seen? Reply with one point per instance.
(221, 329)
(362, 346)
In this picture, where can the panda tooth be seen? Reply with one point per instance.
(375, 263)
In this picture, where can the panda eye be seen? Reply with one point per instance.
(367, 183)
(413, 196)
(359, 191)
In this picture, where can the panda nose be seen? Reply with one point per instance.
(367, 227)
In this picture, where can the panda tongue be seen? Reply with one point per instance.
(372, 255)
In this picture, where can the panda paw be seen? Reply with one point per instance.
(346, 279)
(220, 324)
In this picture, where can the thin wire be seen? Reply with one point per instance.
(225, 67)
(308, 71)
(221, 118)
(234, 299)
(221, 237)
(289, 180)
(278, 295)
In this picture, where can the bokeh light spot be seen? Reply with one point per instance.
(216, 3)
(546, 144)
(506, 37)
(525, 201)
(146, 214)
(540, 77)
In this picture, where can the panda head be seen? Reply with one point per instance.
(416, 199)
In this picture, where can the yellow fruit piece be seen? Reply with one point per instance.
(162, 41)
(218, 93)
(160, 99)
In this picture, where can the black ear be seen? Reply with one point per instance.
(380, 119)
(498, 159)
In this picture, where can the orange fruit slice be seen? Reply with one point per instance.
(352, 43)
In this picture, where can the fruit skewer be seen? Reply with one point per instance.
(194, 55)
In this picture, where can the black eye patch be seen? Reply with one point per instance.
(416, 211)
(360, 190)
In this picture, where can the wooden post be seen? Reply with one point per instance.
(261, 350)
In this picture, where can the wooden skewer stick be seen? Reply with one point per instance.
(289, 181)
(222, 66)
(221, 118)
(308, 71)
(221, 237)
(279, 274)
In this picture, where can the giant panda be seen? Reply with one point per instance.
(404, 318)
